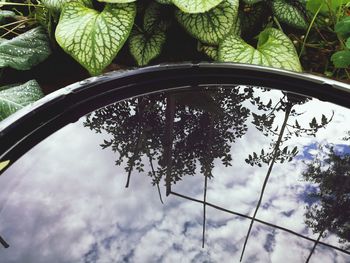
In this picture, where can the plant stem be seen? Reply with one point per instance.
(13, 29)
(15, 23)
(308, 30)
(20, 4)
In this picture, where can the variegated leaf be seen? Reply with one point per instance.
(165, 2)
(290, 14)
(117, 1)
(252, 18)
(13, 98)
(154, 18)
(196, 6)
(274, 49)
(146, 46)
(94, 38)
(212, 26)
(57, 5)
(252, 2)
(210, 51)
(26, 50)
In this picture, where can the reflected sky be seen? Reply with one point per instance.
(66, 200)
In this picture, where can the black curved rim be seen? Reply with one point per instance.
(26, 128)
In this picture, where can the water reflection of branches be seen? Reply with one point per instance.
(177, 131)
(4, 243)
(330, 170)
(265, 123)
(172, 131)
(259, 221)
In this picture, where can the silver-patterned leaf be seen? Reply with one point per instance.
(57, 5)
(210, 51)
(252, 2)
(274, 50)
(13, 98)
(94, 38)
(196, 6)
(154, 18)
(146, 46)
(117, 1)
(165, 2)
(290, 14)
(26, 50)
(212, 26)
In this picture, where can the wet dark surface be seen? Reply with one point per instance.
(260, 154)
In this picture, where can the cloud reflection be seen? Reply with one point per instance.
(65, 201)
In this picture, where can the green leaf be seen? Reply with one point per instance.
(94, 38)
(290, 14)
(341, 59)
(26, 50)
(196, 6)
(212, 26)
(13, 98)
(332, 5)
(251, 18)
(154, 19)
(274, 50)
(165, 2)
(251, 2)
(6, 14)
(146, 46)
(4, 164)
(117, 1)
(347, 43)
(210, 51)
(57, 5)
(343, 27)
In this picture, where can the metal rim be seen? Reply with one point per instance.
(26, 128)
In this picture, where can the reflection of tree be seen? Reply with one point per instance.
(177, 132)
(173, 132)
(331, 212)
(266, 124)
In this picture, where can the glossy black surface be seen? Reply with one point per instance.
(66, 200)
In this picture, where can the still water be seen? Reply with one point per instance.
(209, 174)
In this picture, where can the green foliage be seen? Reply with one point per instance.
(274, 49)
(273, 33)
(25, 51)
(343, 27)
(117, 1)
(57, 5)
(94, 38)
(15, 97)
(341, 59)
(5, 14)
(166, 2)
(251, 2)
(146, 46)
(147, 43)
(290, 14)
(196, 6)
(212, 26)
(210, 51)
(325, 5)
